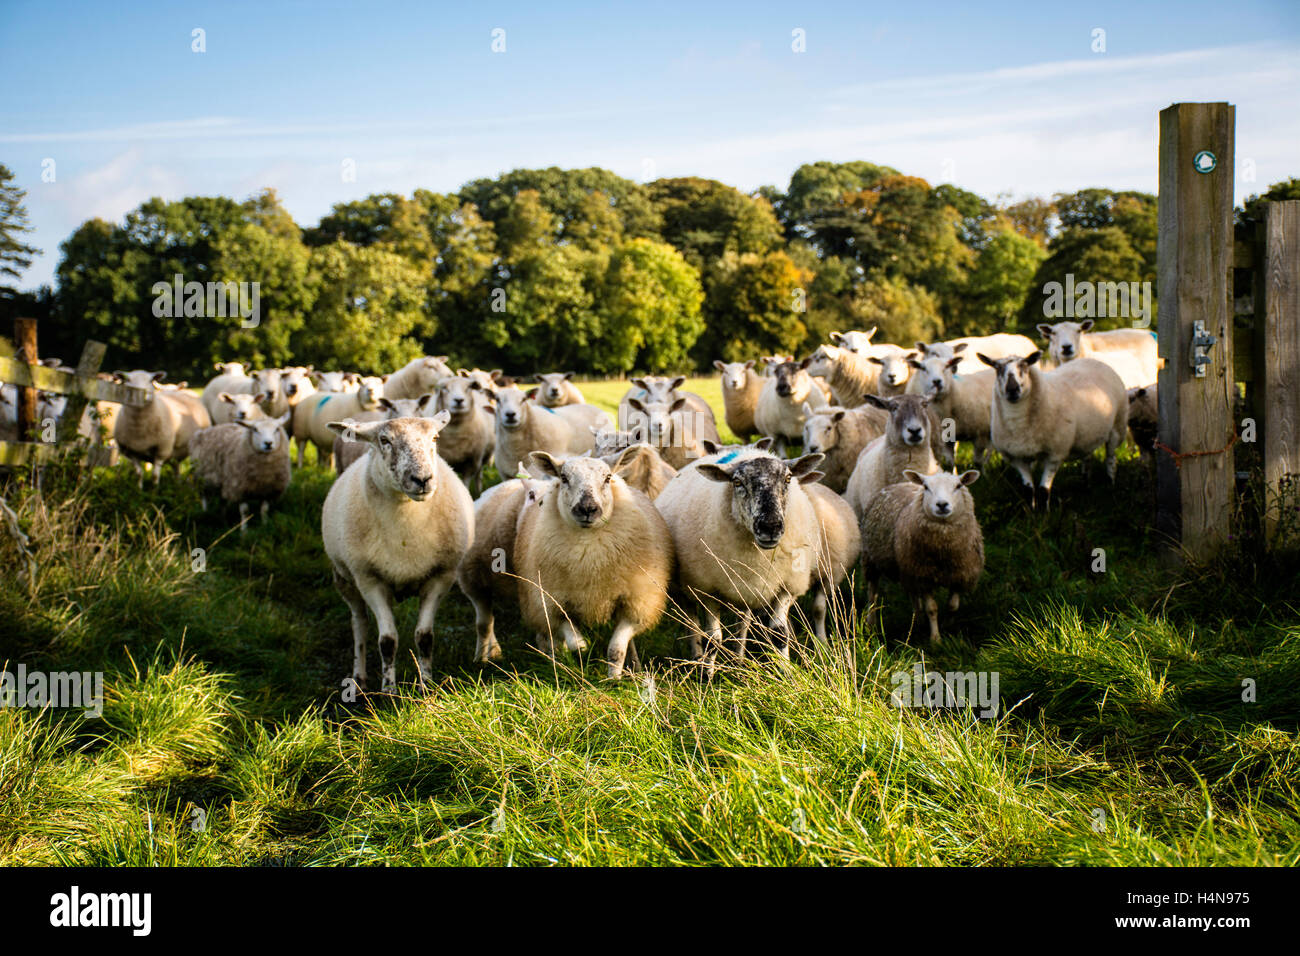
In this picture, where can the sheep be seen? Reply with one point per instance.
(468, 441)
(554, 389)
(485, 573)
(1144, 418)
(159, 430)
(851, 376)
(1131, 353)
(347, 451)
(641, 467)
(1054, 415)
(238, 407)
(908, 442)
(400, 521)
(998, 345)
(244, 460)
(839, 545)
(269, 382)
(894, 369)
(840, 434)
(594, 550)
(858, 342)
(965, 400)
(672, 428)
(322, 384)
(923, 531)
(231, 379)
(324, 407)
(780, 413)
(417, 377)
(741, 386)
(650, 388)
(523, 426)
(746, 534)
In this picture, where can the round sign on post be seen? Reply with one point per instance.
(1204, 161)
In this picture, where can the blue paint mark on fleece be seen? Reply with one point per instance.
(728, 458)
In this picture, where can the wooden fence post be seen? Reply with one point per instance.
(1195, 484)
(1280, 335)
(92, 356)
(25, 350)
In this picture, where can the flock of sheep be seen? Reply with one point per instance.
(597, 521)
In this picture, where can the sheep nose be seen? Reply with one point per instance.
(942, 507)
(291, 390)
(783, 390)
(1067, 349)
(422, 482)
(914, 434)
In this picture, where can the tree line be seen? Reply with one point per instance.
(579, 270)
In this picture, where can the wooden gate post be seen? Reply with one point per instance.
(1279, 372)
(25, 350)
(1194, 253)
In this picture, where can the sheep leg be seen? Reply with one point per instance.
(545, 643)
(954, 600)
(243, 517)
(1050, 467)
(873, 603)
(358, 607)
(819, 614)
(780, 624)
(431, 595)
(266, 506)
(486, 648)
(619, 643)
(379, 599)
(573, 641)
(712, 636)
(1026, 473)
(742, 638)
(932, 612)
(1112, 446)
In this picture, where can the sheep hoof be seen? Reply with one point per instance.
(614, 672)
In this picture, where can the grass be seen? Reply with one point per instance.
(1149, 714)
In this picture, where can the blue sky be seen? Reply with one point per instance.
(995, 97)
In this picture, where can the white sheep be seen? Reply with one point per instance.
(469, 440)
(554, 389)
(638, 464)
(239, 407)
(840, 434)
(780, 413)
(894, 368)
(325, 407)
(1052, 416)
(245, 460)
(523, 426)
(741, 386)
(851, 376)
(347, 451)
(270, 383)
(746, 535)
(672, 428)
(160, 430)
(998, 345)
(418, 377)
(858, 342)
(595, 550)
(652, 388)
(231, 379)
(962, 403)
(323, 383)
(1132, 353)
(909, 442)
(839, 545)
(923, 531)
(400, 521)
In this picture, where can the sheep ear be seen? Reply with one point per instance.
(836, 336)
(915, 477)
(158, 376)
(386, 405)
(531, 395)
(960, 346)
(639, 383)
(969, 477)
(678, 405)
(749, 364)
(879, 402)
(710, 446)
(806, 362)
(260, 397)
(809, 477)
(807, 409)
(462, 373)
(801, 466)
(1032, 358)
(875, 360)
(284, 419)
(568, 376)
(542, 463)
(1085, 325)
(636, 403)
(219, 366)
(921, 347)
(537, 377)
(496, 375)
(870, 333)
(915, 363)
(1136, 392)
(953, 362)
(420, 403)
(718, 364)
(225, 397)
(1044, 330)
(714, 472)
(839, 416)
(625, 458)
(991, 363)
(356, 431)
(677, 383)
(245, 423)
(441, 419)
(491, 393)
(475, 385)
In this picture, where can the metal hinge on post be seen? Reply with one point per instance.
(1202, 342)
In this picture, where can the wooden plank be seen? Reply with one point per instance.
(1280, 370)
(1243, 254)
(26, 351)
(92, 357)
(13, 453)
(65, 383)
(1194, 251)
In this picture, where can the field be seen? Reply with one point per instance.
(1148, 715)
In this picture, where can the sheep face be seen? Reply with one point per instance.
(760, 488)
(894, 368)
(406, 449)
(793, 381)
(229, 368)
(935, 371)
(822, 362)
(656, 419)
(584, 489)
(141, 379)
(944, 495)
(331, 381)
(1064, 339)
(512, 407)
(265, 435)
(267, 381)
(294, 380)
(456, 394)
(550, 386)
(658, 388)
(1013, 374)
(610, 442)
(370, 391)
(821, 430)
(853, 341)
(735, 375)
(908, 422)
(245, 405)
(405, 407)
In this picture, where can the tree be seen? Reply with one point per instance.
(564, 194)
(15, 255)
(815, 187)
(650, 307)
(995, 290)
(755, 303)
(704, 219)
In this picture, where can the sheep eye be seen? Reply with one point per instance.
(608, 478)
